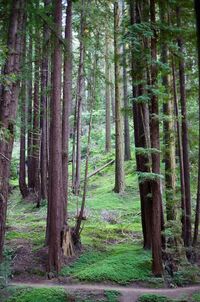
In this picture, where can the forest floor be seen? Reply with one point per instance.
(112, 253)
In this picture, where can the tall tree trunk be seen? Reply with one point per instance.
(196, 226)
(107, 95)
(141, 134)
(8, 107)
(180, 151)
(157, 268)
(119, 144)
(55, 190)
(79, 102)
(36, 129)
(168, 127)
(30, 114)
(22, 163)
(67, 101)
(188, 231)
(127, 149)
(44, 103)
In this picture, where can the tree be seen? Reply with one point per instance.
(55, 190)
(107, 95)
(119, 145)
(8, 108)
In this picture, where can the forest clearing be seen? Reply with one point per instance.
(99, 150)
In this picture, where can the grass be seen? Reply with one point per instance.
(121, 263)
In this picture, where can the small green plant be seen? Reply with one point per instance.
(154, 298)
(39, 295)
(112, 296)
(5, 270)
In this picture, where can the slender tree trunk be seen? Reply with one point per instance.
(108, 95)
(55, 190)
(127, 149)
(196, 226)
(155, 144)
(79, 103)
(67, 101)
(119, 144)
(8, 107)
(188, 231)
(168, 128)
(30, 115)
(180, 151)
(44, 114)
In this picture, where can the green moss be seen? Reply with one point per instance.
(121, 264)
(39, 295)
(154, 298)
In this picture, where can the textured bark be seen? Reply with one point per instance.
(141, 135)
(168, 127)
(107, 96)
(8, 107)
(44, 114)
(67, 101)
(55, 189)
(157, 268)
(80, 93)
(119, 144)
(197, 218)
(185, 143)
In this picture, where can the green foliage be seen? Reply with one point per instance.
(5, 270)
(112, 296)
(122, 264)
(196, 297)
(186, 275)
(154, 298)
(39, 295)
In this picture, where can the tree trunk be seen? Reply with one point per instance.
(196, 226)
(8, 108)
(44, 103)
(79, 103)
(108, 95)
(157, 268)
(55, 189)
(185, 143)
(67, 101)
(119, 145)
(168, 127)
(127, 149)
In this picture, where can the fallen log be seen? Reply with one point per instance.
(101, 168)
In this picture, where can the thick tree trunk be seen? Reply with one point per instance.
(185, 143)
(142, 135)
(168, 128)
(197, 214)
(107, 95)
(79, 103)
(8, 107)
(119, 143)
(67, 101)
(55, 189)
(157, 268)
(44, 114)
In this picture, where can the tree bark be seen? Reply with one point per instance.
(67, 101)
(119, 144)
(157, 268)
(185, 143)
(55, 189)
(44, 114)
(8, 107)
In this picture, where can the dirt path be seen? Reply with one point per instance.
(128, 294)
